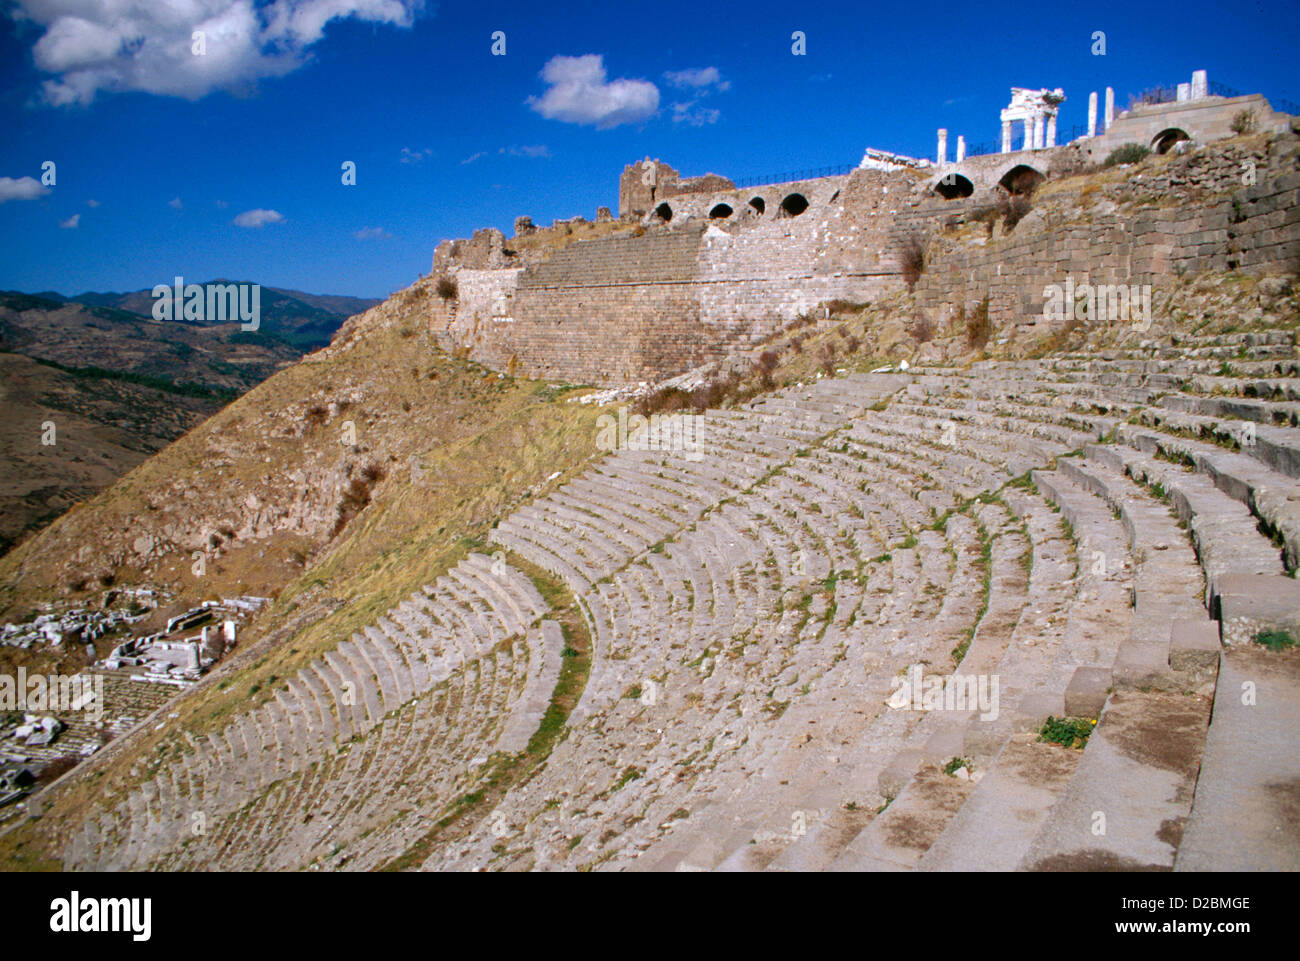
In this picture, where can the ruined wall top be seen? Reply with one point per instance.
(649, 182)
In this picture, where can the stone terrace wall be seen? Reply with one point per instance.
(1192, 220)
(630, 308)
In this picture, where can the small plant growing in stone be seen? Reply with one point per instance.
(1274, 640)
(956, 764)
(1243, 122)
(1067, 731)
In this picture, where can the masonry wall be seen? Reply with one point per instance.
(1197, 216)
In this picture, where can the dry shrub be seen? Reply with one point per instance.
(446, 288)
(911, 257)
(828, 359)
(796, 343)
(979, 329)
(316, 415)
(922, 328)
(357, 496)
(838, 306)
(1017, 206)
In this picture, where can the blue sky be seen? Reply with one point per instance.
(159, 152)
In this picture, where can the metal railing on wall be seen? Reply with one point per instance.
(791, 176)
(1278, 103)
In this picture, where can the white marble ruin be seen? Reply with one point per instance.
(1036, 110)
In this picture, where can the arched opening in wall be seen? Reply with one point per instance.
(1021, 179)
(664, 212)
(954, 187)
(1164, 141)
(720, 212)
(759, 204)
(794, 205)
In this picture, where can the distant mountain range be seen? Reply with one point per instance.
(305, 321)
(120, 385)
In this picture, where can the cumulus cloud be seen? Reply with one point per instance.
(372, 233)
(696, 116)
(579, 93)
(92, 203)
(24, 188)
(71, 223)
(142, 45)
(700, 77)
(258, 218)
(175, 203)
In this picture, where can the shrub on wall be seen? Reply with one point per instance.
(978, 326)
(1243, 122)
(446, 288)
(911, 257)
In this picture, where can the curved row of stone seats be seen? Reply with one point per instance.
(699, 691)
(1277, 413)
(1222, 530)
(1276, 447)
(835, 459)
(1272, 498)
(1262, 388)
(1016, 642)
(342, 695)
(414, 760)
(741, 527)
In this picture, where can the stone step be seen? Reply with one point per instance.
(1129, 797)
(1243, 815)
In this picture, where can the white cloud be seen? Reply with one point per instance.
(175, 203)
(258, 218)
(579, 93)
(71, 223)
(92, 203)
(410, 156)
(24, 188)
(700, 77)
(527, 150)
(472, 157)
(695, 116)
(372, 233)
(144, 45)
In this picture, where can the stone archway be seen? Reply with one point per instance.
(794, 204)
(1164, 141)
(721, 212)
(664, 212)
(953, 186)
(1021, 179)
(758, 204)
